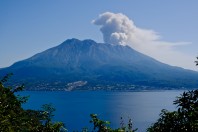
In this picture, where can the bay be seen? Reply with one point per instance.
(74, 108)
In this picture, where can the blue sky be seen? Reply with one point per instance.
(29, 27)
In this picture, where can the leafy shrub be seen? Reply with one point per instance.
(185, 119)
(14, 118)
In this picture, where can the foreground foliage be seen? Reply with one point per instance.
(185, 119)
(104, 126)
(14, 118)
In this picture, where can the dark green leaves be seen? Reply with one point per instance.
(13, 118)
(104, 126)
(185, 119)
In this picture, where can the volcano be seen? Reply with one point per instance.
(87, 65)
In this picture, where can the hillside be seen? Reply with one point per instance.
(87, 65)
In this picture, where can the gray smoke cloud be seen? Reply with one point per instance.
(118, 29)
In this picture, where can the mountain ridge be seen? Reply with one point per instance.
(98, 64)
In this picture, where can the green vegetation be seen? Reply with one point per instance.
(13, 118)
(103, 126)
(185, 119)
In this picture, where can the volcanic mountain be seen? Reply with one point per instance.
(87, 65)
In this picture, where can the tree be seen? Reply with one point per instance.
(196, 61)
(184, 119)
(14, 118)
(104, 126)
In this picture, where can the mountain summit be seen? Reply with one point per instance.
(76, 64)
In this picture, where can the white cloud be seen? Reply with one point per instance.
(119, 29)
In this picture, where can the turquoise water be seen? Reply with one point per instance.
(74, 108)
